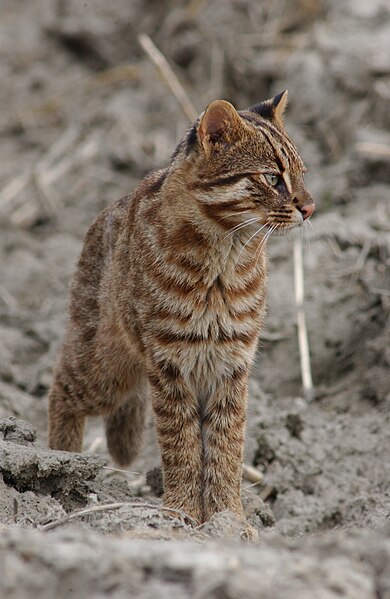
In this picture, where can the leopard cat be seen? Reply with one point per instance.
(168, 300)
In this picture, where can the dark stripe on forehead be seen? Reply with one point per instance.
(261, 123)
(250, 117)
(282, 139)
(277, 158)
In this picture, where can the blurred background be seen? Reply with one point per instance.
(85, 115)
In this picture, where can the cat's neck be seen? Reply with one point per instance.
(222, 249)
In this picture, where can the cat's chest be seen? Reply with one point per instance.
(222, 331)
(206, 321)
(216, 344)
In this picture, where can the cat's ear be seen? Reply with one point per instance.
(219, 125)
(272, 109)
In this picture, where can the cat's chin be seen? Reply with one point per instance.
(279, 230)
(292, 230)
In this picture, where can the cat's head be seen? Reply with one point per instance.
(244, 166)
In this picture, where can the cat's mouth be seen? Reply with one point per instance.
(276, 222)
(288, 219)
(283, 225)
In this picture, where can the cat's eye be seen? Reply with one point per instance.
(272, 179)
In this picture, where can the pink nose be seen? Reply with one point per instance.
(307, 211)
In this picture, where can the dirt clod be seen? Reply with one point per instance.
(154, 479)
(55, 473)
(17, 431)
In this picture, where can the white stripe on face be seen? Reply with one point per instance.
(286, 178)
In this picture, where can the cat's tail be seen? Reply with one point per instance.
(124, 428)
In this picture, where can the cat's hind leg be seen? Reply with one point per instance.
(115, 389)
(66, 419)
(125, 425)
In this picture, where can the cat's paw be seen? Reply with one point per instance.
(227, 524)
(249, 533)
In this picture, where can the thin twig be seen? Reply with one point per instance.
(260, 482)
(362, 258)
(8, 299)
(113, 506)
(167, 73)
(267, 492)
(303, 342)
(53, 165)
(119, 470)
(377, 149)
(379, 291)
(14, 187)
(251, 474)
(19, 183)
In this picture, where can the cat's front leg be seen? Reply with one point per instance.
(223, 428)
(179, 435)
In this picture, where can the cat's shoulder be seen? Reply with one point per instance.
(151, 184)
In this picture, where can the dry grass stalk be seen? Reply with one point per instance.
(114, 506)
(251, 474)
(360, 262)
(13, 188)
(19, 183)
(379, 291)
(168, 75)
(267, 492)
(376, 149)
(119, 470)
(8, 299)
(56, 162)
(303, 342)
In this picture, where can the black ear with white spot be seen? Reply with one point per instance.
(272, 109)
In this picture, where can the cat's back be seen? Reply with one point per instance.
(105, 248)
(96, 253)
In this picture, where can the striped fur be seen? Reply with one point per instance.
(168, 301)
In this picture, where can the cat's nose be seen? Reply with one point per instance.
(307, 210)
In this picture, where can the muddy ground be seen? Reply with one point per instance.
(84, 115)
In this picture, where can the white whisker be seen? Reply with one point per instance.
(306, 233)
(246, 223)
(250, 238)
(261, 244)
(263, 241)
(311, 234)
(234, 214)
